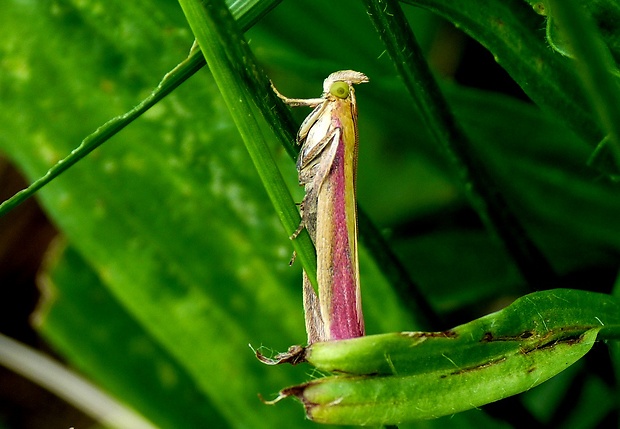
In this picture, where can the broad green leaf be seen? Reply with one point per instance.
(121, 356)
(166, 217)
(166, 214)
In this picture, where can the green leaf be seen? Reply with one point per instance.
(122, 357)
(394, 399)
(397, 377)
(535, 321)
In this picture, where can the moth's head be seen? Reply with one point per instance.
(340, 83)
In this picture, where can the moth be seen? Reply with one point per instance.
(327, 167)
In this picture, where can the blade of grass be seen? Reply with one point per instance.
(392, 26)
(247, 14)
(232, 65)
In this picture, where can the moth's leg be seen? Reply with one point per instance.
(307, 211)
(311, 102)
(302, 224)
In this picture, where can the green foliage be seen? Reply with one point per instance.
(438, 390)
(176, 257)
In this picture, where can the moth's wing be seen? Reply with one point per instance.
(310, 121)
(315, 327)
(313, 177)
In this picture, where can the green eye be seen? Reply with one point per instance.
(339, 89)
(540, 8)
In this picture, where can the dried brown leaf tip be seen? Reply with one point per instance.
(294, 355)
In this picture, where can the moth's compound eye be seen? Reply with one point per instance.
(339, 89)
(540, 8)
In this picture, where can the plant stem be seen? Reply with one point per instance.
(241, 81)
